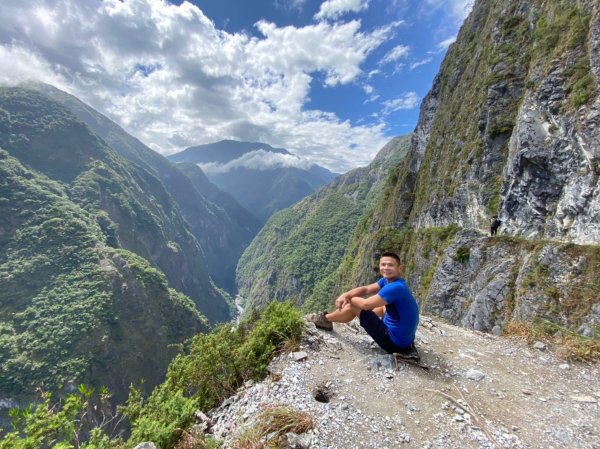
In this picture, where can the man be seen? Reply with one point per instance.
(389, 297)
(496, 222)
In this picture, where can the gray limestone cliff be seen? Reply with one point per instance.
(509, 128)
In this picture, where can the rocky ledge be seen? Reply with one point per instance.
(480, 391)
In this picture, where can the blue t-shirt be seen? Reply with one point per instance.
(401, 312)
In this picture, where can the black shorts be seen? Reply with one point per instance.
(377, 330)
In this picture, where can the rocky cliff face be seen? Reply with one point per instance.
(523, 141)
(510, 127)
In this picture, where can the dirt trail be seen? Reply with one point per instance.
(513, 395)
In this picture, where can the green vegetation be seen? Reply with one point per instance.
(130, 205)
(215, 365)
(71, 304)
(561, 34)
(297, 253)
(462, 254)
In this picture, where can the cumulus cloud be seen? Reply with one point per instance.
(408, 100)
(333, 9)
(170, 77)
(258, 160)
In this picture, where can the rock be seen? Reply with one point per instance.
(382, 362)
(474, 374)
(298, 356)
(565, 436)
(295, 441)
(539, 345)
(146, 445)
(585, 399)
(497, 330)
(586, 331)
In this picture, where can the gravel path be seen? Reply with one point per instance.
(481, 391)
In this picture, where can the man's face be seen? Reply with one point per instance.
(390, 268)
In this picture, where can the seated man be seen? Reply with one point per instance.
(389, 297)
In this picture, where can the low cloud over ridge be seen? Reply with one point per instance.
(257, 160)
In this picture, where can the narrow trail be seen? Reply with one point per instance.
(481, 391)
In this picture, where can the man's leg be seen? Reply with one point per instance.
(345, 315)
(377, 330)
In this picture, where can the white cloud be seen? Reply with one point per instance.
(408, 100)
(458, 10)
(333, 9)
(416, 64)
(395, 53)
(257, 160)
(443, 46)
(172, 79)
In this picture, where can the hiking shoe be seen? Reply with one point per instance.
(320, 321)
(409, 353)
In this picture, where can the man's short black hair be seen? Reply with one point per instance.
(390, 254)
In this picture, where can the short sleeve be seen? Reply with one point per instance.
(381, 282)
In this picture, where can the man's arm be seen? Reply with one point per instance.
(361, 291)
(370, 303)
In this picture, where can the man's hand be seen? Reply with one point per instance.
(341, 301)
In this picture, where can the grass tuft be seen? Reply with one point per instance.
(271, 426)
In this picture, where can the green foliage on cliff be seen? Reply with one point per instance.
(561, 33)
(212, 368)
(53, 290)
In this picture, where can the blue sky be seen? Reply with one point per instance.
(330, 80)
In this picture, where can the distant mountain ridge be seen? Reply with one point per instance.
(261, 178)
(222, 151)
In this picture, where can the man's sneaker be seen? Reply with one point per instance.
(320, 321)
(409, 353)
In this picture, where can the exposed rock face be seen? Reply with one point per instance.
(510, 127)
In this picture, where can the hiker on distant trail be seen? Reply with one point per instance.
(389, 298)
(495, 224)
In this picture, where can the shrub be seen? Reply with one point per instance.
(64, 424)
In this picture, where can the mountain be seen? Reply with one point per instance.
(73, 309)
(509, 127)
(99, 272)
(261, 178)
(299, 248)
(220, 225)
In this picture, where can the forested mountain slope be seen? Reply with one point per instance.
(295, 254)
(222, 227)
(133, 206)
(73, 309)
(85, 238)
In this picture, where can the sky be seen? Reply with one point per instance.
(331, 81)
